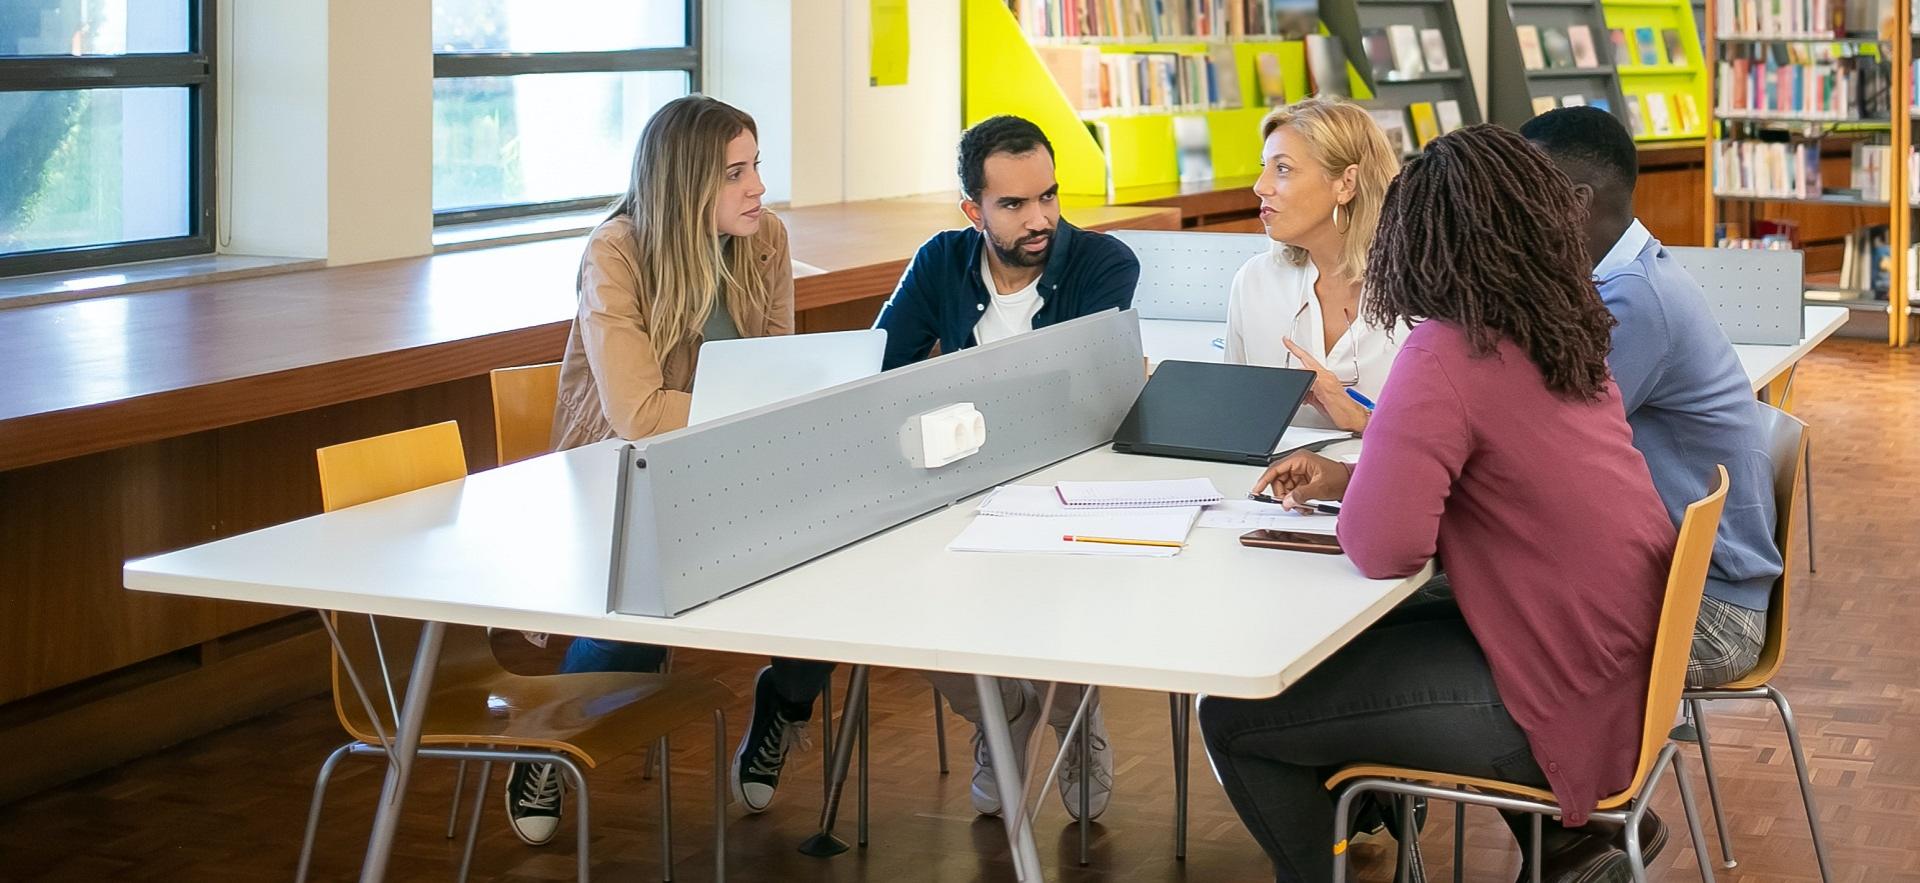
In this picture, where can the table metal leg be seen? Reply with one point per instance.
(1181, 707)
(1006, 774)
(824, 843)
(413, 713)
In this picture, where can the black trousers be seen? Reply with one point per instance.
(1414, 690)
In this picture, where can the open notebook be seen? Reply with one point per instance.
(1137, 494)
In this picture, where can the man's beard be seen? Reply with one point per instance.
(1019, 257)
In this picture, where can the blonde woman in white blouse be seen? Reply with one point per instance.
(1325, 166)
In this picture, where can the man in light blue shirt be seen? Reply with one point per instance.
(1687, 399)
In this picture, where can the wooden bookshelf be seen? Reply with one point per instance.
(1827, 217)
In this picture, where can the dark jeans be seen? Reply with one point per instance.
(796, 681)
(1414, 690)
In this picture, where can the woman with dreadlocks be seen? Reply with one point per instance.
(1500, 447)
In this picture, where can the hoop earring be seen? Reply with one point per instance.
(1336, 221)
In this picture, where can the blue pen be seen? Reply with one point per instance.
(1365, 402)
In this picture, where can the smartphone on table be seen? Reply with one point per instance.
(1293, 541)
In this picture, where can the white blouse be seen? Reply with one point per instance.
(1272, 300)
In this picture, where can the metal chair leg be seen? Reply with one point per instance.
(313, 809)
(1693, 820)
(1459, 841)
(666, 812)
(719, 796)
(1180, 709)
(453, 806)
(1806, 786)
(1806, 468)
(1085, 741)
(866, 737)
(473, 822)
(1698, 710)
(940, 729)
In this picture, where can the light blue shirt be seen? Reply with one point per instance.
(1691, 407)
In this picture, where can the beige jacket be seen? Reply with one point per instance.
(611, 383)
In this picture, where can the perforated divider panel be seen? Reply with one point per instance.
(709, 509)
(1757, 296)
(1188, 275)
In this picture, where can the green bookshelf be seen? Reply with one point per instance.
(1638, 81)
(1100, 151)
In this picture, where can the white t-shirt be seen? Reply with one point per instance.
(1272, 300)
(1006, 314)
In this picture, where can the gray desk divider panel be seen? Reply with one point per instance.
(1757, 296)
(707, 510)
(1188, 275)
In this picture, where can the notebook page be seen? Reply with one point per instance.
(1045, 534)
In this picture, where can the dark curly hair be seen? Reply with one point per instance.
(1481, 230)
(1001, 134)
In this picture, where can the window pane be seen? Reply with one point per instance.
(93, 166)
(540, 137)
(557, 25)
(93, 27)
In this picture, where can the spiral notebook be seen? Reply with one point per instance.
(1137, 494)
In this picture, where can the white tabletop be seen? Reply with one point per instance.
(526, 546)
(1164, 339)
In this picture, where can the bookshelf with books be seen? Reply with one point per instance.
(1410, 55)
(1135, 93)
(1812, 146)
(1544, 54)
(1661, 67)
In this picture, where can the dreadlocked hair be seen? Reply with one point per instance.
(1481, 230)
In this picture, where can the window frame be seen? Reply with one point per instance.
(195, 69)
(688, 59)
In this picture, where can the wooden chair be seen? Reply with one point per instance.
(523, 403)
(479, 710)
(1787, 441)
(1686, 581)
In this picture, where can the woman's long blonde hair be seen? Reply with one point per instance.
(686, 264)
(1342, 134)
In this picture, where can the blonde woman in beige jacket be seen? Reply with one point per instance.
(687, 255)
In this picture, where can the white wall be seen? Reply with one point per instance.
(749, 61)
(1473, 39)
(273, 171)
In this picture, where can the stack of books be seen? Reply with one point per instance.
(1799, 18)
(1864, 263)
(1871, 171)
(1543, 48)
(1802, 81)
(1403, 52)
(1145, 21)
(1099, 83)
(1779, 169)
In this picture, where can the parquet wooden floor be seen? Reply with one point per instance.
(229, 806)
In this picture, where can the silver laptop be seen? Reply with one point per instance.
(740, 375)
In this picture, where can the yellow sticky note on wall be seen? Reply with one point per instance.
(887, 43)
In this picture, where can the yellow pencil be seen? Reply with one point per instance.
(1116, 541)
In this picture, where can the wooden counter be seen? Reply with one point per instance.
(139, 423)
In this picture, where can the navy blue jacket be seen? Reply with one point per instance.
(942, 297)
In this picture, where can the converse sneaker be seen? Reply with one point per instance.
(775, 729)
(1100, 771)
(986, 789)
(534, 793)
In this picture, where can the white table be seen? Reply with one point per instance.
(526, 547)
(1193, 342)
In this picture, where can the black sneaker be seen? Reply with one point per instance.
(534, 794)
(775, 729)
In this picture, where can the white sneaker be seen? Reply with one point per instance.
(986, 789)
(1100, 771)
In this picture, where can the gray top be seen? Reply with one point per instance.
(719, 325)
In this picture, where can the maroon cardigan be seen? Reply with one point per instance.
(1546, 521)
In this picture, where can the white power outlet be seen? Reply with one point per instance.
(945, 435)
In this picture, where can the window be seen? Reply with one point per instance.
(106, 132)
(537, 103)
